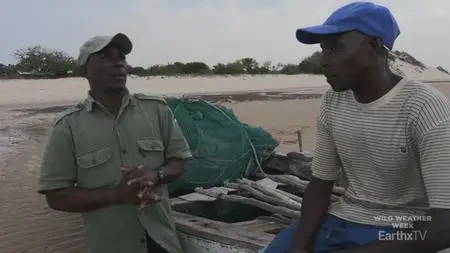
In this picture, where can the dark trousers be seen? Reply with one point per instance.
(154, 247)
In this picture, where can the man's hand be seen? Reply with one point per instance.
(135, 190)
(140, 176)
(145, 180)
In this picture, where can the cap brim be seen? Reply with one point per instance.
(314, 34)
(122, 42)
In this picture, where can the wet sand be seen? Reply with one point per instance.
(28, 225)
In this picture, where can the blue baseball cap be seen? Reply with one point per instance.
(366, 17)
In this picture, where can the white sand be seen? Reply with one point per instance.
(14, 92)
(414, 72)
(32, 92)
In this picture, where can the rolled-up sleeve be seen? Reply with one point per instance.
(175, 143)
(58, 167)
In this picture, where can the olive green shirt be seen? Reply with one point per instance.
(86, 148)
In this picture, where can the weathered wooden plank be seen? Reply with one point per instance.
(246, 235)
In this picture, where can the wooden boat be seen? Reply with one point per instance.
(244, 216)
(206, 224)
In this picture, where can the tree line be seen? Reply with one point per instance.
(39, 62)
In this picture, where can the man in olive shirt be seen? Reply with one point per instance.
(111, 157)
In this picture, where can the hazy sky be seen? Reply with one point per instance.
(208, 30)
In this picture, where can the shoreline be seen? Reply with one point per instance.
(34, 109)
(72, 90)
(49, 92)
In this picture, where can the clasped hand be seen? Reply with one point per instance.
(137, 186)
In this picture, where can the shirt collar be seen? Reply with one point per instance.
(90, 102)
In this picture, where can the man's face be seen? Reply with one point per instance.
(345, 58)
(107, 69)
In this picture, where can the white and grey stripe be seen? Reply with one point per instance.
(394, 152)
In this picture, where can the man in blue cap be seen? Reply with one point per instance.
(389, 136)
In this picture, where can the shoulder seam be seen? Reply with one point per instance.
(67, 112)
(142, 96)
(436, 126)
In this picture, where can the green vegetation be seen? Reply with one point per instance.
(39, 62)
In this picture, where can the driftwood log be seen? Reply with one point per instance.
(270, 198)
(274, 192)
(264, 194)
(299, 183)
(250, 201)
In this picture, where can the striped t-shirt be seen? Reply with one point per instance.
(394, 153)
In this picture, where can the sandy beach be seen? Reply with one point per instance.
(280, 104)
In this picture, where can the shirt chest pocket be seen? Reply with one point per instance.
(151, 152)
(95, 169)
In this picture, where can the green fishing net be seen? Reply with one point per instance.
(223, 148)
